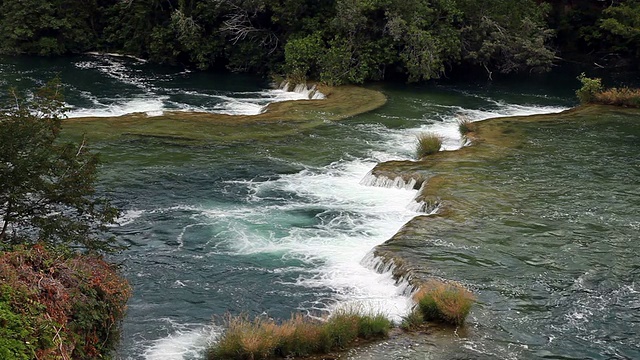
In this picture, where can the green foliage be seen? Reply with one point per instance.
(47, 27)
(59, 305)
(590, 88)
(620, 27)
(506, 36)
(342, 328)
(300, 56)
(374, 326)
(338, 41)
(428, 144)
(15, 335)
(336, 64)
(46, 187)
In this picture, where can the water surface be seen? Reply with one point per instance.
(283, 224)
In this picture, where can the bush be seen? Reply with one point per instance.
(428, 144)
(16, 335)
(590, 87)
(65, 305)
(448, 303)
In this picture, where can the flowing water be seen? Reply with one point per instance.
(285, 224)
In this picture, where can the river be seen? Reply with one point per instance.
(284, 224)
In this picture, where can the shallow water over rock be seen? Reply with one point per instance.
(245, 221)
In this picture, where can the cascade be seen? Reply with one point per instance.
(383, 181)
(312, 93)
(383, 266)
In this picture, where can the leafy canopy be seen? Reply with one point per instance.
(47, 188)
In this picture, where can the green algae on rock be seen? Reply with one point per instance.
(452, 183)
(278, 119)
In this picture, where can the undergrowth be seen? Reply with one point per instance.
(58, 305)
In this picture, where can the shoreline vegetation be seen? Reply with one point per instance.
(445, 303)
(59, 297)
(593, 92)
(337, 41)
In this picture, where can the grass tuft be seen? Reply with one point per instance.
(428, 144)
(412, 321)
(374, 326)
(299, 336)
(618, 97)
(246, 339)
(448, 303)
(466, 126)
(263, 338)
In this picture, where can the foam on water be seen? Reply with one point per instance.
(186, 342)
(154, 100)
(402, 142)
(151, 106)
(351, 219)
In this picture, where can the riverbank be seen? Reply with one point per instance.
(277, 119)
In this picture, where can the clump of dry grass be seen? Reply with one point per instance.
(263, 338)
(619, 97)
(246, 339)
(444, 302)
(428, 144)
(300, 336)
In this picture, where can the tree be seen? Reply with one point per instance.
(51, 27)
(620, 26)
(506, 36)
(47, 188)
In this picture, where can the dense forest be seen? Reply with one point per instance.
(336, 41)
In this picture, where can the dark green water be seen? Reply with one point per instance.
(284, 225)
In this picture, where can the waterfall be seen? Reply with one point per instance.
(383, 181)
(379, 265)
(312, 93)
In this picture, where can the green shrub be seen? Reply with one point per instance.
(448, 303)
(16, 335)
(428, 144)
(590, 88)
